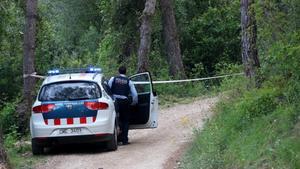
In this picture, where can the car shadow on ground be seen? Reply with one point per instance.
(68, 149)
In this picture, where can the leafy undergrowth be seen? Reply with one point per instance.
(251, 129)
(18, 149)
(170, 94)
(182, 93)
(19, 152)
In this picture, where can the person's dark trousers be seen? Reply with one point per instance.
(123, 108)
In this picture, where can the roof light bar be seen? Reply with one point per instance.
(53, 72)
(76, 70)
(94, 70)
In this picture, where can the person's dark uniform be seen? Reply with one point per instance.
(121, 87)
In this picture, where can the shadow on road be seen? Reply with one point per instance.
(67, 149)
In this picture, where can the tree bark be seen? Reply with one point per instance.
(3, 156)
(145, 36)
(171, 39)
(28, 64)
(249, 37)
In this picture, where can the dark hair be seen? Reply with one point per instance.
(122, 70)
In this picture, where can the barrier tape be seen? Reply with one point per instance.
(34, 74)
(198, 79)
(39, 76)
(157, 82)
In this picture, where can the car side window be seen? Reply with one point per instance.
(106, 87)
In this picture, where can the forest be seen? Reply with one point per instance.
(173, 39)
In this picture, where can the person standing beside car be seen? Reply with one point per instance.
(121, 87)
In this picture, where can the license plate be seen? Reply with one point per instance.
(70, 131)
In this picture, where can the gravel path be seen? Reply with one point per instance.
(149, 149)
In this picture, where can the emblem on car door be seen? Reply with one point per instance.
(69, 106)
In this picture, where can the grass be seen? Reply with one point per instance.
(251, 129)
(19, 152)
(18, 149)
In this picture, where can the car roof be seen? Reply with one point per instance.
(95, 77)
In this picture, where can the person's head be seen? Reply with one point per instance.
(122, 70)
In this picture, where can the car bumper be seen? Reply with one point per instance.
(49, 141)
(100, 127)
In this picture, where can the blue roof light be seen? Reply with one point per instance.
(94, 70)
(53, 72)
(76, 70)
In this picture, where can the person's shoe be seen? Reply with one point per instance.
(123, 143)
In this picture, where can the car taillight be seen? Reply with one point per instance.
(44, 108)
(96, 105)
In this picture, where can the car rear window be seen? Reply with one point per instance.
(66, 91)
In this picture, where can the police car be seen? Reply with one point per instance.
(76, 106)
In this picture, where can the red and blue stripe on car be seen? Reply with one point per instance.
(70, 112)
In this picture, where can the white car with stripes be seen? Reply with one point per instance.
(75, 106)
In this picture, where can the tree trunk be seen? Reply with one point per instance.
(249, 36)
(3, 156)
(171, 39)
(28, 64)
(145, 36)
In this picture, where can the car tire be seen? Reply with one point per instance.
(112, 144)
(36, 148)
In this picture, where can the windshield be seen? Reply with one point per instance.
(69, 91)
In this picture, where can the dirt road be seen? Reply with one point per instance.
(149, 149)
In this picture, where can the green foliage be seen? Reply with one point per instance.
(11, 24)
(179, 92)
(209, 32)
(19, 152)
(253, 129)
(9, 117)
(277, 21)
(259, 128)
(107, 55)
(248, 132)
(106, 33)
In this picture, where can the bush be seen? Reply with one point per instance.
(253, 129)
(169, 94)
(9, 117)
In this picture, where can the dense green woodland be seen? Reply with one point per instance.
(259, 128)
(253, 127)
(106, 33)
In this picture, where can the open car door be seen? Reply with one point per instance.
(144, 115)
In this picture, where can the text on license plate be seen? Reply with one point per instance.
(70, 131)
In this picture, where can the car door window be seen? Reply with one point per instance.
(142, 83)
